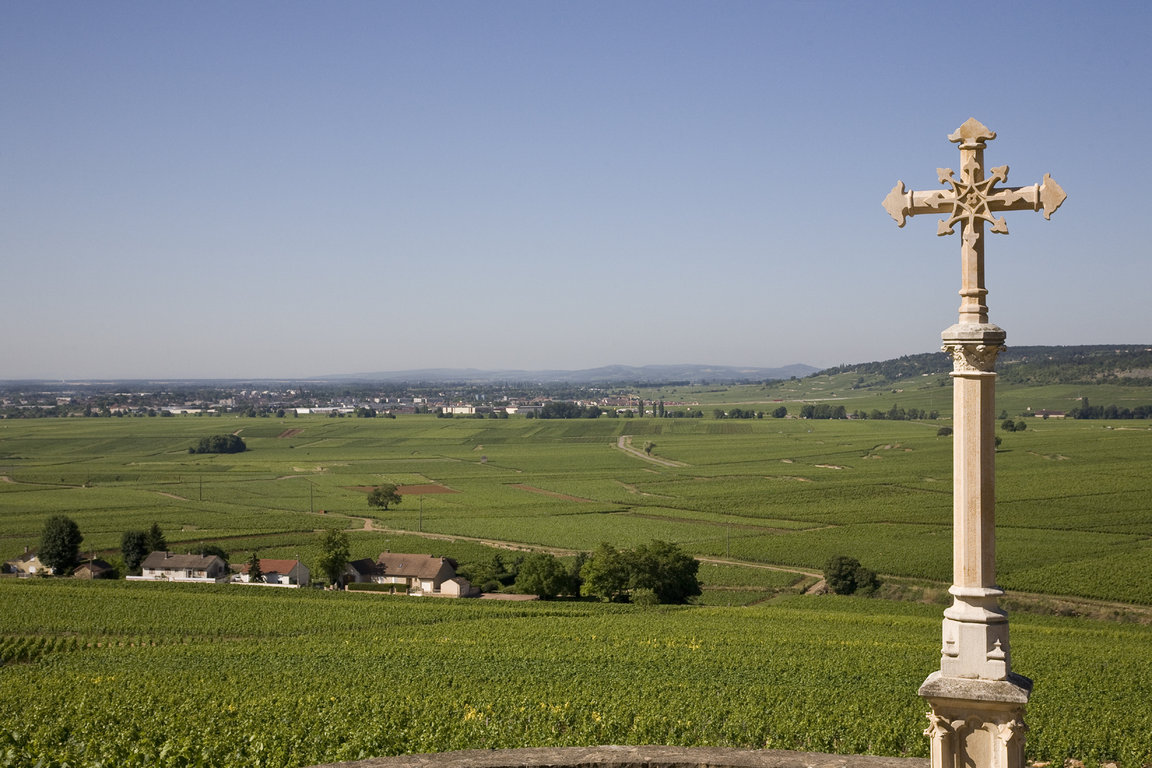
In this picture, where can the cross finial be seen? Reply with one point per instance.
(972, 201)
(972, 132)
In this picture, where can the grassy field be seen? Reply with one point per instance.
(1073, 517)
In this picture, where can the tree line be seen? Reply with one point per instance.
(656, 572)
(1088, 411)
(652, 573)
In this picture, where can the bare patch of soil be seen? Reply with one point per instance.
(289, 433)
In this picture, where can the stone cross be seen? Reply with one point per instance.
(971, 202)
(977, 702)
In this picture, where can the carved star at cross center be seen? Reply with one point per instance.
(970, 201)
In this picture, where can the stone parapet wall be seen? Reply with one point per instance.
(632, 757)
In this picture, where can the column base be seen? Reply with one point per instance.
(976, 723)
(975, 635)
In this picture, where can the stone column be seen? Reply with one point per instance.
(977, 702)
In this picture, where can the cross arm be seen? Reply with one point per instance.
(902, 202)
(1046, 196)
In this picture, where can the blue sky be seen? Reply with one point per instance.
(285, 189)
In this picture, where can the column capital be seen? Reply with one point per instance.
(974, 347)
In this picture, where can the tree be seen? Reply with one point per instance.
(845, 576)
(780, 412)
(255, 575)
(657, 572)
(220, 444)
(666, 570)
(155, 540)
(492, 574)
(60, 544)
(575, 568)
(543, 575)
(133, 549)
(334, 554)
(384, 495)
(605, 574)
(1021, 425)
(648, 446)
(559, 409)
(211, 549)
(1008, 425)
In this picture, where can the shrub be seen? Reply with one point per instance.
(845, 576)
(219, 444)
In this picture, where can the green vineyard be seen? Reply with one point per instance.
(295, 677)
(144, 674)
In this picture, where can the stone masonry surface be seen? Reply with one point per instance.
(632, 757)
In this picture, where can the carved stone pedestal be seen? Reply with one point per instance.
(976, 722)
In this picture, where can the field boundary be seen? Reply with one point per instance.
(624, 443)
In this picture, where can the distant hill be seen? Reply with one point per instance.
(610, 374)
(1084, 364)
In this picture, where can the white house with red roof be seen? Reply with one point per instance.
(278, 573)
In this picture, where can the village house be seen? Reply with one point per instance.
(279, 573)
(165, 566)
(94, 569)
(28, 564)
(412, 574)
(362, 571)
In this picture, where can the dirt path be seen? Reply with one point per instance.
(624, 443)
(761, 566)
(371, 525)
(553, 494)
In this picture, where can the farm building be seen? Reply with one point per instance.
(413, 574)
(94, 569)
